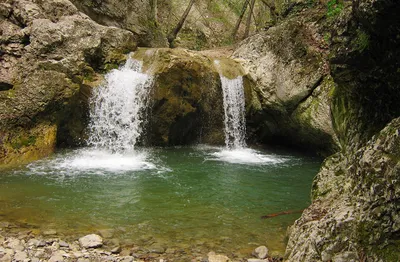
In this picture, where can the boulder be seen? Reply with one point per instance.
(186, 105)
(51, 53)
(291, 87)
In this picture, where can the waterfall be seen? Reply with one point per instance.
(118, 108)
(234, 109)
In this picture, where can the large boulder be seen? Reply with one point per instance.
(50, 51)
(292, 86)
(186, 104)
(355, 196)
(355, 208)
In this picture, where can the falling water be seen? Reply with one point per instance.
(117, 116)
(235, 123)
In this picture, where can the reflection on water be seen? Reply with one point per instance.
(176, 196)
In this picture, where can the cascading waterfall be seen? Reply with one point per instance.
(235, 125)
(234, 109)
(117, 115)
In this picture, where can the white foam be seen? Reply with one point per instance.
(93, 161)
(246, 156)
(104, 160)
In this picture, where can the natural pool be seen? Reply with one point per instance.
(191, 197)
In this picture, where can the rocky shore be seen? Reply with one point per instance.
(25, 245)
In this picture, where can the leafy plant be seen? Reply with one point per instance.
(334, 8)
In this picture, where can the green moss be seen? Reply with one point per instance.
(390, 252)
(327, 37)
(334, 7)
(23, 141)
(361, 41)
(109, 67)
(88, 73)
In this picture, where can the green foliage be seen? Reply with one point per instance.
(327, 37)
(334, 7)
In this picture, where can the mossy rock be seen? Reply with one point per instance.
(20, 146)
(186, 102)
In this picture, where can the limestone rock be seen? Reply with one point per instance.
(56, 258)
(291, 87)
(186, 104)
(351, 194)
(261, 252)
(20, 256)
(91, 241)
(49, 49)
(212, 257)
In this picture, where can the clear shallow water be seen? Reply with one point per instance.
(203, 196)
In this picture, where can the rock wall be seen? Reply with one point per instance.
(327, 78)
(355, 196)
(49, 52)
(293, 88)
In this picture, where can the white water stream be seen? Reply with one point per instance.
(118, 112)
(235, 123)
(116, 124)
(236, 150)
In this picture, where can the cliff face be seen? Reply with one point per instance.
(327, 77)
(289, 69)
(354, 214)
(49, 50)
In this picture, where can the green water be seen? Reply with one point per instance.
(176, 196)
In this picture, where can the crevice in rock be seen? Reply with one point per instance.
(5, 86)
(26, 40)
(316, 84)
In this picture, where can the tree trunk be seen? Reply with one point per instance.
(248, 22)
(272, 8)
(171, 36)
(240, 19)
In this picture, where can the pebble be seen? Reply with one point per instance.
(91, 241)
(156, 248)
(63, 244)
(41, 243)
(49, 232)
(116, 250)
(31, 249)
(6, 258)
(20, 256)
(212, 257)
(261, 252)
(56, 258)
(127, 259)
